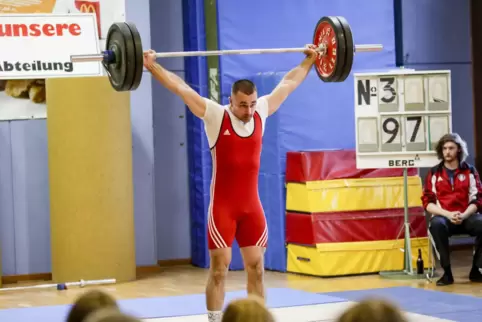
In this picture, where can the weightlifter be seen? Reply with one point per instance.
(234, 133)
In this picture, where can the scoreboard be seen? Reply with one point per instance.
(399, 117)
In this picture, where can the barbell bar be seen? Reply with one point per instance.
(123, 57)
(358, 48)
(60, 286)
(100, 57)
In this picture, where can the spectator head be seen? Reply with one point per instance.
(373, 310)
(89, 302)
(250, 309)
(451, 141)
(110, 315)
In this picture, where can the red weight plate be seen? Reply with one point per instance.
(329, 32)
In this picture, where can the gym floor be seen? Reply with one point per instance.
(183, 280)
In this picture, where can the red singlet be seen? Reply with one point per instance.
(235, 210)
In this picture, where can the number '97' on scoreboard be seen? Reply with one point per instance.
(400, 116)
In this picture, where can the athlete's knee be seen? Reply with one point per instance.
(255, 269)
(218, 273)
(219, 267)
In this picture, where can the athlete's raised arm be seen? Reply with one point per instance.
(291, 80)
(175, 84)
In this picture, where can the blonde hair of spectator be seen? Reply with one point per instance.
(250, 309)
(373, 310)
(110, 315)
(89, 302)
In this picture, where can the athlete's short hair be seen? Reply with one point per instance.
(244, 86)
(455, 138)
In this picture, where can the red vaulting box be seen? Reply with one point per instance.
(351, 243)
(353, 226)
(343, 221)
(303, 166)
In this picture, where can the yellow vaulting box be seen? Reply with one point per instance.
(352, 194)
(338, 259)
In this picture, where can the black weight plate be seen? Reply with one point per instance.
(350, 49)
(120, 41)
(115, 69)
(328, 31)
(139, 64)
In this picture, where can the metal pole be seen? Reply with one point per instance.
(408, 246)
(81, 283)
(100, 57)
(86, 58)
(358, 48)
(230, 52)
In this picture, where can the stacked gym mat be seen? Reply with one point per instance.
(343, 221)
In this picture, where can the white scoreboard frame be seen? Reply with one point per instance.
(399, 117)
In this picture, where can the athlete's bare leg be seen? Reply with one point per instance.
(215, 288)
(253, 258)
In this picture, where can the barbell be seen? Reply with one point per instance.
(60, 286)
(123, 57)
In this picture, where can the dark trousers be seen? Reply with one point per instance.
(442, 228)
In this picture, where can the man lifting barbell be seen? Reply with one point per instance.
(234, 133)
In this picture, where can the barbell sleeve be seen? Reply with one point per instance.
(105, 55)
(368, 48)
(87, 58)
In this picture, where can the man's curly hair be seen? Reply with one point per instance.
(455, 138)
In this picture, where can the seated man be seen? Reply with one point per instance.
(453, 196)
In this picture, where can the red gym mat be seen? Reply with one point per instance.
(303, 166)
(355, 226)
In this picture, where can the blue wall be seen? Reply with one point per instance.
(169, 114)
(161, 124)
(24, 197)
(143, 156)
(291, 24)
(432, 30)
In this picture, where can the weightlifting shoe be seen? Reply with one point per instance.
(446, 279)
(475, 275)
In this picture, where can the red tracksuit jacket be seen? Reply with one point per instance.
(456, 193)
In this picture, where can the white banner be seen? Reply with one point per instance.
(40, 46)
(26, 98)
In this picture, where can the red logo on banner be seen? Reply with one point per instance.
(90, 7)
